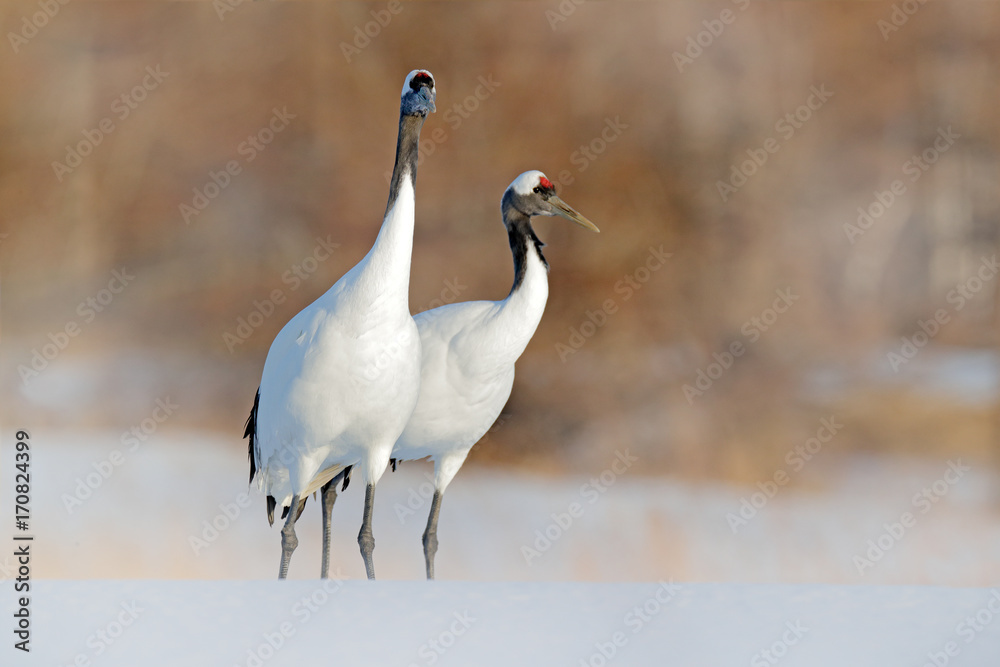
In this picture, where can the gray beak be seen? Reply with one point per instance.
(564, 210)
(428, 95)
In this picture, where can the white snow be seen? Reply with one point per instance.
(258, 623)
(144, 520)
(211, 603)
(957, 374)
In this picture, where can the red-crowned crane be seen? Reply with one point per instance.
(342, 377)
(469, 349)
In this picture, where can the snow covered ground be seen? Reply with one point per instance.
(553, 567)
(178, 506)
(258, 623)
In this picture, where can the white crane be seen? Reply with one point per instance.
(342, 377)
(469, 349)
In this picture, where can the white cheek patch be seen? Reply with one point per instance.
(406, 82)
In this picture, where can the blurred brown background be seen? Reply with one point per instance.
(555, 86)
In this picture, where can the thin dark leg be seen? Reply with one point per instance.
(365, 538)
(288, 539)
(431, 534)
(329, 495)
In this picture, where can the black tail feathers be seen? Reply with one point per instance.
(251, 432)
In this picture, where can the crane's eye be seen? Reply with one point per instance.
(537, 189)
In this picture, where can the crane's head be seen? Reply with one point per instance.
(418, 94)
(532, 193)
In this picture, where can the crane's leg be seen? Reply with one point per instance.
(431, 534)
(288, 539)
(329, 495)
(365, 538)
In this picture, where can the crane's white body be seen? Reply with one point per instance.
(342, 377)
(469, 349)
(467, 370)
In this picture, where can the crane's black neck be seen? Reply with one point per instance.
(407, 146)
(522, 242)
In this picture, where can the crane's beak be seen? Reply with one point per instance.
(418, 102)
(564, 210)
(428, 96)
